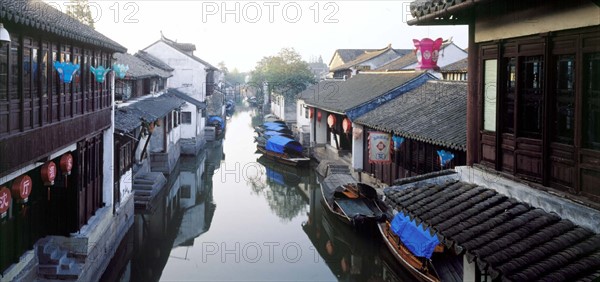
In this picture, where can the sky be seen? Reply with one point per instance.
(240, 33)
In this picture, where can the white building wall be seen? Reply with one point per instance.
(302, 121)
(321, 128)
(357, 147)
(188, 131)
(189, 75)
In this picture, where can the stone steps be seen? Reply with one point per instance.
(54, 262)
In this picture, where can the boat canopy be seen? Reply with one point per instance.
(218, 119)
(420, 242)
(278, 144)
(275, 133)
(268, 125)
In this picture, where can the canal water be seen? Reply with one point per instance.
(230, 215)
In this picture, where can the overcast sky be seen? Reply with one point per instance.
(240, 33)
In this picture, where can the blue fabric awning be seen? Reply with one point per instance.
(274, 125)
(274, 133)
(418, 241)
(218, 119)
(278, 144)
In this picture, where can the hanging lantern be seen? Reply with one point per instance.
(445, 157)
(5, 201)
(66, 71)
(120, 70)
(331, 120)
(311, 112)
(66, 163)
(398, 140)
(21, 188)
(319, 116)
(346, 125)
(48, 172)
(427, 52)
(100, 73)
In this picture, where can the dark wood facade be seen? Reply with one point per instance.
(39, 116)
(546, 108)
(412, 159)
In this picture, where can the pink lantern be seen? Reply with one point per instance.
(428, 52)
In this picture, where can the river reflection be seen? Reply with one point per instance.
(232, 215)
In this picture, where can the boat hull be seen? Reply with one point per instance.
(403, 258)
(282, 158)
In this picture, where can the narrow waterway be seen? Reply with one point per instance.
(246, 219)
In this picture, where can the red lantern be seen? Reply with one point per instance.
(5, 200)
(331, 120)
(346, 125)
(319, 116)
(21, 187)
(311, 112)
(48, 172)
(427, 52)
(66, 163)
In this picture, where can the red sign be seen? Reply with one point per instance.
(5, 200)
(48, 172)
(346, 125)
(21, 187)
(66, 163)
(331, 120)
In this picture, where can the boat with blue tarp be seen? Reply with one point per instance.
(218, 123)
(412, 246)
(354, 202)
(284, 150)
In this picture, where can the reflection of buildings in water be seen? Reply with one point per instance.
(279, 185)
(181, 212)
(196, 202)
(349, 256)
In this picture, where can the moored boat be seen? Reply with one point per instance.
(411, 246)
(355, 203)
(284, 150)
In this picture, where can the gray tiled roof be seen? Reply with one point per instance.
(185, 48)
(458, 66)
(39, 15)
(509, 239)
(340, 96)
(150, 109)
(138, 68)
(147, 57)
(368, 55)
(348, 55)
(435, 112)
(187, 98)
(400, 63)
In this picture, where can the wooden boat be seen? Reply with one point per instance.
(355, 203)
(283, 150)
(219, 125)
(421, 267)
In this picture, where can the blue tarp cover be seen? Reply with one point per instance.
(278, 144)
(218, 119)
(417, 240)
(271, 125)
(274, 133)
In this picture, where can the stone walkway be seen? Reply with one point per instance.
(328, 154)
